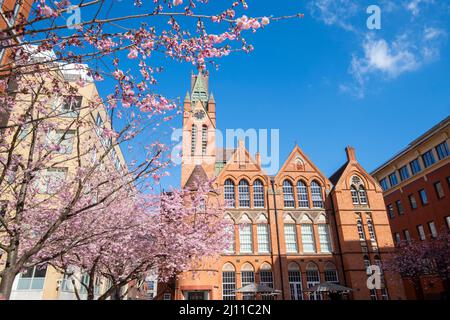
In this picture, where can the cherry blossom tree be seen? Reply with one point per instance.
(67, 221)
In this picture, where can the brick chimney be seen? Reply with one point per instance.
(350, 153)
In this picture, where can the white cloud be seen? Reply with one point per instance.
(335, 12)
(431, 33)
(414, 6)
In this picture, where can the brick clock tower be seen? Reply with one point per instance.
(199, 130)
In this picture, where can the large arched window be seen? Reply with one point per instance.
(266, 278)
(258, 194)
(228, 282)
(331, 274)
(313, 278)
(295, 281)
(316, 194)
(302, 195)
(228, 192)
(288, 193)
(247, 277)
(193, 139)
(362, 195)
(204, 139)
(244, 194)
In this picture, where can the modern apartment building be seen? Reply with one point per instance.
(416, 189)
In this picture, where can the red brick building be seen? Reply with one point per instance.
(292, 230)
(416, 184)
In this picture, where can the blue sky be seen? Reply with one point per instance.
(327, 81)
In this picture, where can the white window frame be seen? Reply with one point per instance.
(324, 237)
(245, 238)
(290, 237)
(262, 231)
(308, 243)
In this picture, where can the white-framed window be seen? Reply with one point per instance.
(228, 284)
(266, 278)
(204, 139)
(362, 195)
(244, 194)
(167, 296)
(366, 261)
(51, 180)
(360, 228)
(288, 193)
(373, 294)
(247, 278)
(258, 194)
(407, 235)
(324, 237)
(397, 238)
(193, 139)
(64, 145)
(228, 192)
(384, 294)
(302, 195)
(295, 284)
(432, 228)
(262, 230)
(230, 248)
(313, 278)
(354, 193)
(245, 238)
(371, 230)
(32, 279)
(421, 232)
(331, 274)
(71, 106)
(290, 237)
(308, 238)
(316, 194)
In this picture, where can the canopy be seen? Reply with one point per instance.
(328, 287)
(256, 288)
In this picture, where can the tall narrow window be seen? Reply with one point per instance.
(313, 278)
(324, 237)
(288, 193)
(360, 228)
(371, 229)
(423, 196)
(295, 282)
(362, 195)
(258, 194)
(245, 238)
(316, 194)
(355, 197)
(193, 139)
(290, 237)
(204, 139)
(266, 279)
(432, 228)
(262, 230)
(302, 195)
(228, 192)
(244, 194)
(248, 276)
(228, 282)
(308, 238)
(421, 232)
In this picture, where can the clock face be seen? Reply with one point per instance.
(199, 114)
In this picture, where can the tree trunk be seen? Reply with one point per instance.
(6, 283)
(418, 289)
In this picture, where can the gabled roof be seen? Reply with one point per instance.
(198, 175)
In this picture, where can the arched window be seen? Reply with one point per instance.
(258, 194)
(362, 195)
(247, 276)
(193, 139)
(204, 139)
(331, 274)
(316, 194)
(355, 197)
(313, 278)
(288, 192)
(244, 194)
(295, 281)
(228, 282)
(266, 278)
(230, 200)
(302, 195)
